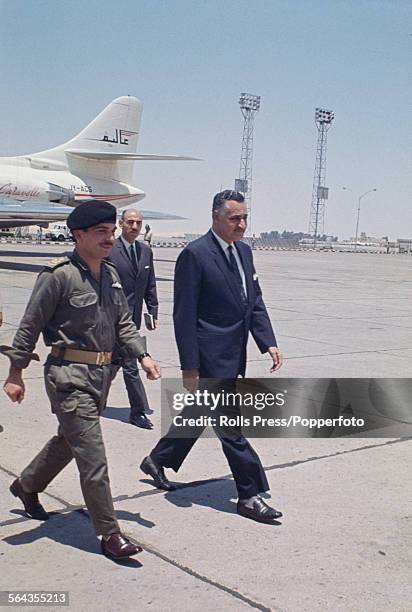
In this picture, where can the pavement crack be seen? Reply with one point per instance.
(347, 353)
(218, 585)
(279, 466)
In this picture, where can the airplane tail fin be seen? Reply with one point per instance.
(114, 131)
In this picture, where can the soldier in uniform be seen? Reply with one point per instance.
(79, 306)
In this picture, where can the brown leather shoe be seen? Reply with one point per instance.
(30, 501)
(119, 547)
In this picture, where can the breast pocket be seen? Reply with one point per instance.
(84, 307)
(116, 295)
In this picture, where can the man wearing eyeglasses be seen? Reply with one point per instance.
(217, 302)
(134, 263)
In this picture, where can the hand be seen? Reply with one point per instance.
(277, 358)
(14, 386)
(151, 368)
(190, 379)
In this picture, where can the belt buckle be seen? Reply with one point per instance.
(100, 358)
(103, 358)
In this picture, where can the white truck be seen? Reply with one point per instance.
(58, 231)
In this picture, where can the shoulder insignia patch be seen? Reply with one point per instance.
(56, 262)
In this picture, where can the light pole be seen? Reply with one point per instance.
(249, 106)
(357, 218)
(323, 121)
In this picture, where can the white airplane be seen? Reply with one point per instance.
(96, 164)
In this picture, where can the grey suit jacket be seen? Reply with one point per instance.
(138, 286)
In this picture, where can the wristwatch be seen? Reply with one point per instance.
(142, 356)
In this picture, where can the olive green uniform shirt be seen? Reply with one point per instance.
(74, 310)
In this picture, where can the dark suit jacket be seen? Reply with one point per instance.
(211, 323)
(137, 286)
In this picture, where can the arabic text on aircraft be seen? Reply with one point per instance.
(120, 137)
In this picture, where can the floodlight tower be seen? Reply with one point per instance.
(323, 120)
(249, 105)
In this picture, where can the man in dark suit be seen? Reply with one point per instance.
(134, 263)
(217, 303)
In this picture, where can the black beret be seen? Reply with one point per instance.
(91, 213)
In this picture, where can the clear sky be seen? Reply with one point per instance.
(62, 61)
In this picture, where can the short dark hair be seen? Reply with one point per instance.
(223, 196)
(74, 237)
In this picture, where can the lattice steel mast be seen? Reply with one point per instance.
(323, 120)
(249, 106)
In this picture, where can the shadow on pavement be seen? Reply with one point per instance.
(216, 494)
(69, 529)
(117, 414)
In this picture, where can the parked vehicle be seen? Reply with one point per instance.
(59, 231)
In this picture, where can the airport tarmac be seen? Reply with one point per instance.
(342, 544)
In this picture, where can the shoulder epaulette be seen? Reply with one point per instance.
(56, 262)
(110, 263)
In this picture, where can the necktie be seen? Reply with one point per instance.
(235, 269)
(133, 257)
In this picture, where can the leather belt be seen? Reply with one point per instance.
(100, 358)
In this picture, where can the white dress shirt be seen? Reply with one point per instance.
(225, 245)
(128, 245)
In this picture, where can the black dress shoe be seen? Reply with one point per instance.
(260, 512)
(141, 421)
(119, 547)
(30, 501)
(149, 467)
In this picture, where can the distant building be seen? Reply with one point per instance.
(404, 245)
(370, 240)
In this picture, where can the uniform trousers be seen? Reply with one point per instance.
(78, 395)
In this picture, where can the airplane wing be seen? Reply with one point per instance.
(11, 210)
(157, 215)
(108, 156)
(12, 213)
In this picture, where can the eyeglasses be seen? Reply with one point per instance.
(131, 223)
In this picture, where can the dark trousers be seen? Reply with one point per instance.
(244, 462)
(135, 389)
